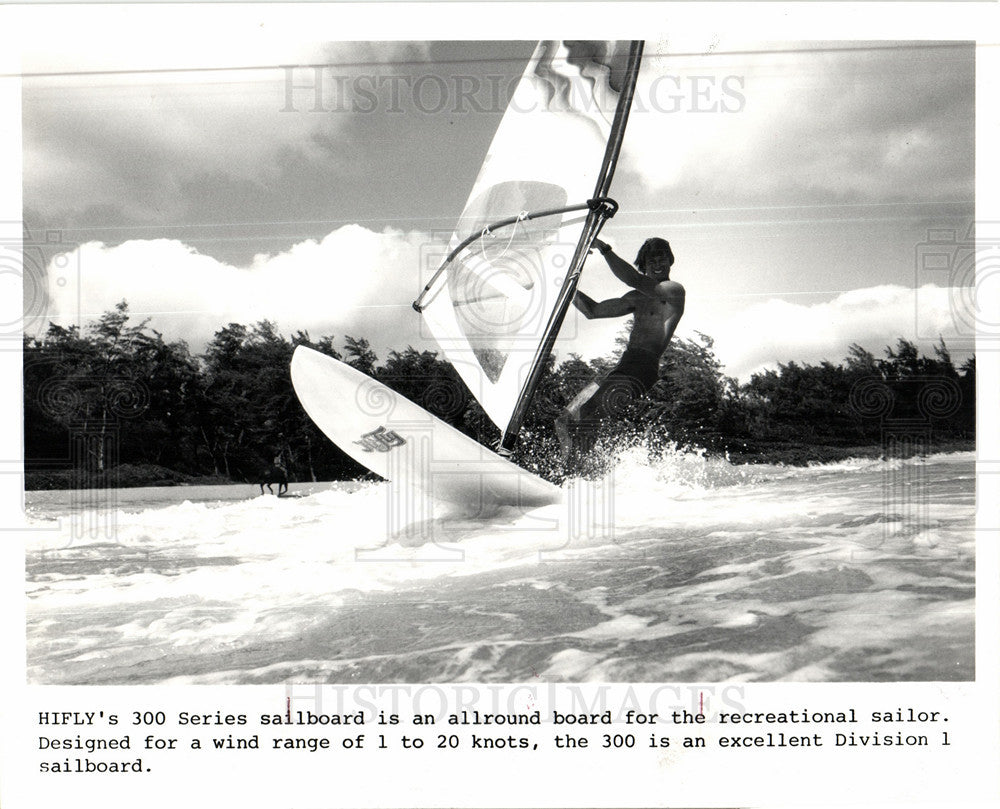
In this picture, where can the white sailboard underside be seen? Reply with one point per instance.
(418, 453)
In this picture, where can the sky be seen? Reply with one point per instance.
(816, 194)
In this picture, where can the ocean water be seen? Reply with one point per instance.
(686, 569)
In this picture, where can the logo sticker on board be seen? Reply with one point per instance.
(380, 440)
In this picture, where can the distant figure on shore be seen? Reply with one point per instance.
(276, 473)
(657, 304)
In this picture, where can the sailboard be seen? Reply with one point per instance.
(497, 302)
(421, 455)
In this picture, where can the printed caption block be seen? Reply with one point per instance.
(276, 743)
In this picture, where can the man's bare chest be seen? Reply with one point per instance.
(651, 311)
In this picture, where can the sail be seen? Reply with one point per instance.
(519, 242)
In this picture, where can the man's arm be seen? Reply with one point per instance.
(613, 307)
(625, 272)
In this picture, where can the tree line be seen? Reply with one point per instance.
(116, 402)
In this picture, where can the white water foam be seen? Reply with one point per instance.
(689, 568)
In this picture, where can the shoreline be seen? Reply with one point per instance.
(128, 476)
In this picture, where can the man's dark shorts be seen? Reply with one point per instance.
(636, 372)
(642, 366)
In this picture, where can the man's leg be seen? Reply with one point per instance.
(608, 400)
(617, 394)
(573, 414)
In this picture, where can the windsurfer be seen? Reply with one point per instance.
(657, 304)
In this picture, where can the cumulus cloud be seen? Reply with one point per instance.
(775, 331)
(353, 281)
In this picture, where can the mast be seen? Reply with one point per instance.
(601, 209)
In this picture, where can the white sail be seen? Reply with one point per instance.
(490, 307)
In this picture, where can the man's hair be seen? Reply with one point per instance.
(653, 245)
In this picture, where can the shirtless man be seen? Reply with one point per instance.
(657, 304)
